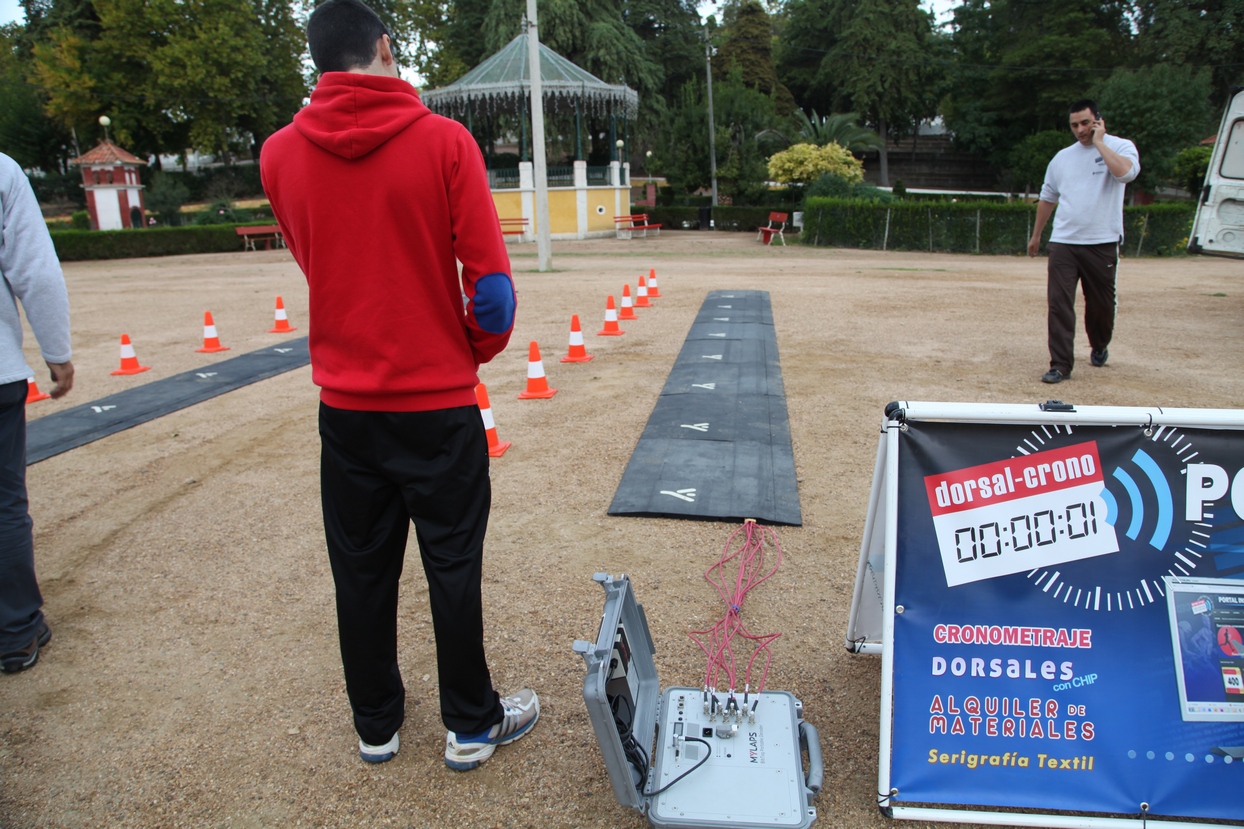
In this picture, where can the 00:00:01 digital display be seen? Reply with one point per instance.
(1025, 531)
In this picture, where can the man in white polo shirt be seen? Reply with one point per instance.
(1085, 182)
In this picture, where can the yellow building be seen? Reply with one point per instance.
(579, 211)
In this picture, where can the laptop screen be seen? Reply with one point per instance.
(1207, 634)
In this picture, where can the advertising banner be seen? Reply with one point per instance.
(1068, 618)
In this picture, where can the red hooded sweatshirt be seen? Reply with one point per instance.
(379, 199)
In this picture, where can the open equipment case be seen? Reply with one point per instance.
(681, 760)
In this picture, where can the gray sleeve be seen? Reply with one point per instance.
(1049, 190)
(1128, 150)
(29, 266)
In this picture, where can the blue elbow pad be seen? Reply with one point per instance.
(494, 303)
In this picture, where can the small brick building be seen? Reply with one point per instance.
(114, 190)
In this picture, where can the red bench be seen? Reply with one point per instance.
(767, 233)
(268, 234)
(627, 225)
(515, 227)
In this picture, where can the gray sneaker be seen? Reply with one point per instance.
(464, 752)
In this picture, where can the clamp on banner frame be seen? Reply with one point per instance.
(873, 615)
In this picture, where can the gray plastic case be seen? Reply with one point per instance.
(754, 778)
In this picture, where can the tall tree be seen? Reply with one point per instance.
(876, 64)
(747, 41)
(1194, 32)
(1019, 63)
(27, 135)
(212, 75)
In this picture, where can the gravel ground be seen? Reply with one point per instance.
(194, 678)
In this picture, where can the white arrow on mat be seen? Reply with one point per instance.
(699, 427)
(282, 350)
(205, 374)
(102, 409)
(718, 335)
(687, 495)
(710, 356)
(710, 386)
(721, 319)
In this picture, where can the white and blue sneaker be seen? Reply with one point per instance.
(464, 752)
(378, 754)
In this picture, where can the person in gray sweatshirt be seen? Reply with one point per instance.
(30, 274)
(1086, 182)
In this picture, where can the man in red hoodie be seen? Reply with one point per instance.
(379, 200)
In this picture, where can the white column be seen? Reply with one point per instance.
(580, 197)
(615, 171)
(526, 188)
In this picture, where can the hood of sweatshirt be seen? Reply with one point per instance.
(351, 114)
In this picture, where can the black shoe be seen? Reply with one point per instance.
(1099, 358)
(1055, 376)
(16, 661)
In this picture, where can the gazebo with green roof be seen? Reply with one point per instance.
(502, 85)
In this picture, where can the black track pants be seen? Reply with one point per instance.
(378, 472)
(1093, 267)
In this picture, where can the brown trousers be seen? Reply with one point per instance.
(1094, 267)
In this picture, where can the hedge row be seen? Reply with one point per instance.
(976, 227)
(79, 245)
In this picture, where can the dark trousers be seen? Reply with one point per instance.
(378, 472)
(1094, 268)
(20, 601)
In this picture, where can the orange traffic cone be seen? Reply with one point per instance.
(611, 328)
(578, 353)
(281, 325)
(628, 309)
(495, 447)
(211, 341)
(537, 383)
(33, 395)
(653, 291)
(129, 361)
(641, 299)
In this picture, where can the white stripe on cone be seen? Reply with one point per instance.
(489, 423)
(535, 369)
(209, 331)
(280, 314)
(127, 350)
(576, 337)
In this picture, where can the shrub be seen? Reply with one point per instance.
(974, 227)
(165, 196)
(81, 220)
(222, 213)
(80, 245)
(836, 187)
(802, 163)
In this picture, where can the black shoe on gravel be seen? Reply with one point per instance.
(14, 661)
(1099, 358)
(1055, 376)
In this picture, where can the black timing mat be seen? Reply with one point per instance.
(80, 425)
(717, 445)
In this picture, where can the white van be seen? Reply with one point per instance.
(1218, 228)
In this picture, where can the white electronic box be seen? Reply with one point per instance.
(681, 757)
